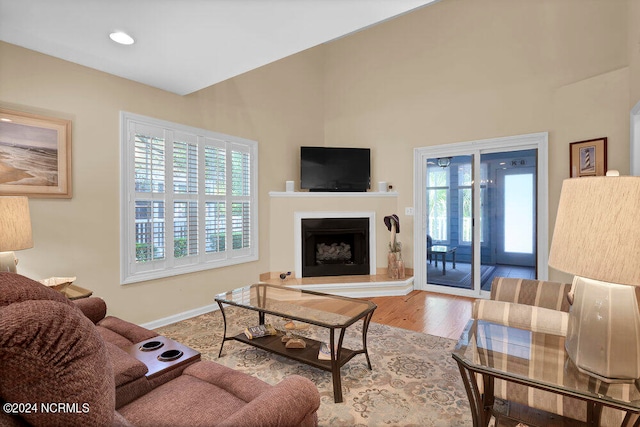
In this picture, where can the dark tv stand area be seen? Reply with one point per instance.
(319, 190)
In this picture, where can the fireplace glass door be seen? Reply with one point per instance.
(335, 246)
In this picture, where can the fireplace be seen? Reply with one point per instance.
(335, 246)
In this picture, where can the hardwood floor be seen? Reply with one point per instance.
(421, 311)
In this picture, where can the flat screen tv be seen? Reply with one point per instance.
(335, 169)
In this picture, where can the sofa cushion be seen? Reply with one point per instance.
(94, 308)
(51, 353)
(130, 331)
(113, 337)
(227, 396)
(185, 401)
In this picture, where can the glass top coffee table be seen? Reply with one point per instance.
(537, 360)
(336, 313)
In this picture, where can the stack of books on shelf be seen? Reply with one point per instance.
(259, 331)
(324, 353)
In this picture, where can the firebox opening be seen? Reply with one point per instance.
(335, 247)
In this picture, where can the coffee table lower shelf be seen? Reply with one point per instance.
(307, 355)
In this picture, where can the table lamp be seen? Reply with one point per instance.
(15, 230)
(597, 238)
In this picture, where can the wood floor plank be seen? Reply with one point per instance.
(428, 312)
(421, 311)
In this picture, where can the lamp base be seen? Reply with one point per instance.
(8, 262)
(603, 337)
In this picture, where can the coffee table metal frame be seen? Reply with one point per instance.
(308, 355)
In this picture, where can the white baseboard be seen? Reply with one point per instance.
(180, 316)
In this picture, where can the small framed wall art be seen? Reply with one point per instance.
(588, 158)
(35, 155)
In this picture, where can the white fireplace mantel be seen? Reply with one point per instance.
(286, 208)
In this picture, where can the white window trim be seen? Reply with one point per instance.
(448, 204)
(129, 272)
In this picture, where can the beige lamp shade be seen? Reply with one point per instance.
(597, 231)
(597, 238)
(15, 224)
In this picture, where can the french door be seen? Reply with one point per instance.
(480, 211)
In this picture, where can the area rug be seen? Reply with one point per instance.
(414, 380)
(460, 277)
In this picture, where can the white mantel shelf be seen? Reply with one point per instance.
(333, 194)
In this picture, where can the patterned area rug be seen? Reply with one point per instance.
(414, 381)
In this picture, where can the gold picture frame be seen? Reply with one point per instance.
(588, 158)
(35, 155)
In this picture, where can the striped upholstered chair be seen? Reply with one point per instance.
(526, 304)
(539, 306)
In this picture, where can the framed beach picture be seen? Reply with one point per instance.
(588, 158)
(35, 155)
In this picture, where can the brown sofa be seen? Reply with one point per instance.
(60, 367)
(129, 373)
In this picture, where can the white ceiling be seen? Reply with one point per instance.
(186, 45)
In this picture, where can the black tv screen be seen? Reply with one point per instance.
(335, 169)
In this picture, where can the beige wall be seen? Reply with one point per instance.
(588, 109)
(634, 50)
(80, 237)
(458, 70)
(466, 70)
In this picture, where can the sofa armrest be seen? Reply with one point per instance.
(127, 330)
(126, 368)
(93, 307)
(522, 316)
(294, 401)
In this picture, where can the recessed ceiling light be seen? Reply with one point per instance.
(121, 37)
(4, 119)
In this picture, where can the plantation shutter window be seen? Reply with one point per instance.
(188, 199)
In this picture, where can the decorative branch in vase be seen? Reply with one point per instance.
(395, 263)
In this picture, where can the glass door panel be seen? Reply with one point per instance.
(449, 239)
(509, 217)
(516, 244)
